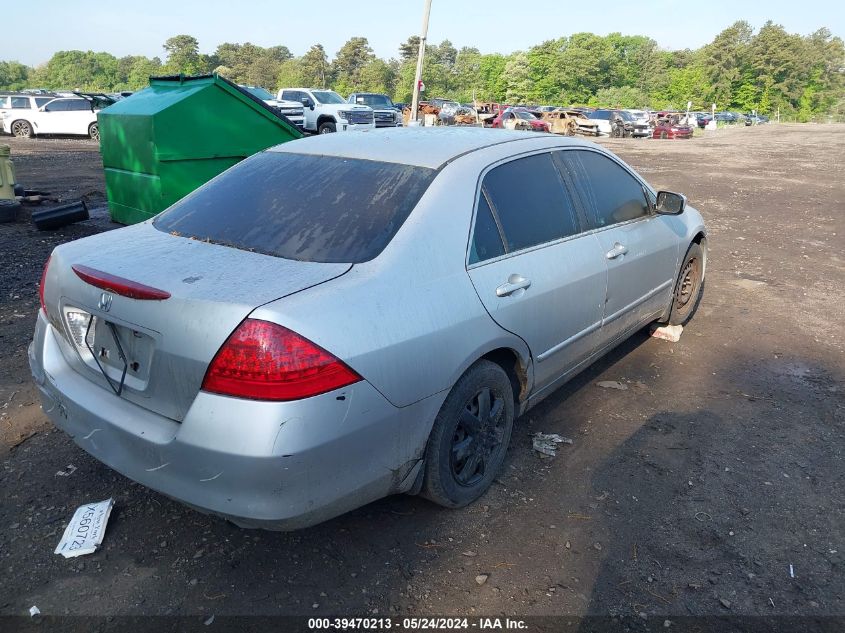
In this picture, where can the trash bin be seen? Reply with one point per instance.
(166, 140)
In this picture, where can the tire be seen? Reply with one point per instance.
(464, 453)
(94, 131)
(9, 210)
(689, 288)
(21, 129)
(327, 128)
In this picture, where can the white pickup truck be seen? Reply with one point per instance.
(293, 110)
(326, 111)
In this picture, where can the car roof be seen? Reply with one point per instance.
(12, 93)
(423, 147)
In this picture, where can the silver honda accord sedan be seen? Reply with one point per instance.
(350, 316)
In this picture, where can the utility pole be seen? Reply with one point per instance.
(415, 102)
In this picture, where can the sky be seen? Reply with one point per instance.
(140, 28)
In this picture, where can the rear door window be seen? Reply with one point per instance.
(21, 103)
(530, 202)
(486, 239)
(614, 195)
(302, 207)
(59, 105)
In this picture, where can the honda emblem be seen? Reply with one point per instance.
(105, 302)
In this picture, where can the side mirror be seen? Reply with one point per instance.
(669, 203)
(307, 102)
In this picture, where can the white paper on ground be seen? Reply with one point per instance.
(671, 333)
(86, 529)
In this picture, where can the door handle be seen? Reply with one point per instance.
(617, 250)
(514, 283)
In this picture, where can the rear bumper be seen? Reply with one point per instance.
(273, 465)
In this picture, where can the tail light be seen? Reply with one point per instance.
(41, 285)
(265, 361)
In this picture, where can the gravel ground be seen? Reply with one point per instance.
(690, 492)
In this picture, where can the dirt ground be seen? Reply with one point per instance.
(712, 485)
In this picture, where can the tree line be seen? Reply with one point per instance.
(801, 77)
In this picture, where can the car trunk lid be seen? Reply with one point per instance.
(153, 349)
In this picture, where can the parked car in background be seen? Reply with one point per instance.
(311, 369)
(632, 126)
(12, 102)
(438, 102)
(327, 112)
(448, 109)
(755, 119)
(618, 123)
(604, 118)
(727, 117)
(569, 122)
(293, 110)
(384, 110)
(702, 119)
(667, 128)
(642, 120)
(64, 115)
(519, 119)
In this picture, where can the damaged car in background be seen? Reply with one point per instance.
(569, 122)
(519, 119)
(669, 127)
(371, 320)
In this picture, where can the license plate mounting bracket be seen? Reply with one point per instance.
(119, 388)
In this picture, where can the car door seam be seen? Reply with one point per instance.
(495, 213)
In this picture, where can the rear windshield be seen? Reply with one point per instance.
(302, 207)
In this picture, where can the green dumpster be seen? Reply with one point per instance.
(165, 141)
